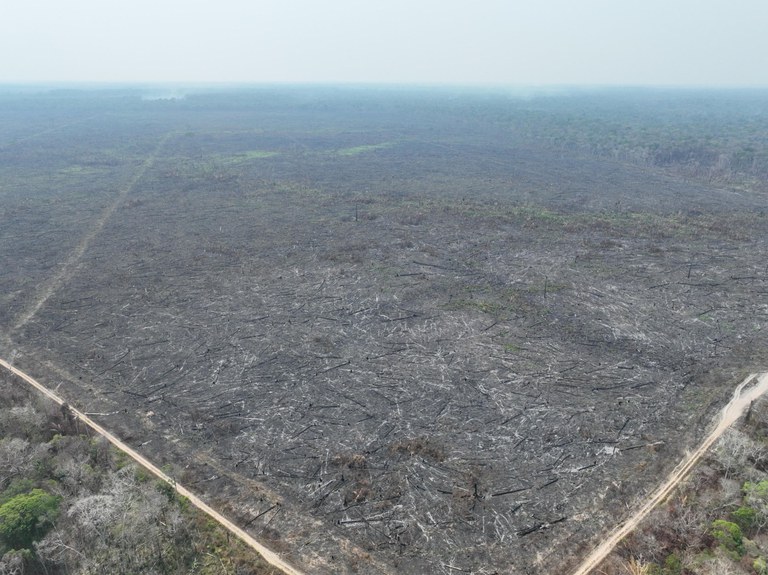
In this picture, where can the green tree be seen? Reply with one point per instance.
(26, 518)
(745, 517)
(729, 535)
(756, 497)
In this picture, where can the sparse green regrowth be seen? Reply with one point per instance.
(83, 170)
(167, 489)
(673, 565)
(241, 158)
(142, 475)
(534, 212)
(487, 305)
(356, 150)
(545, 287)
(120, 459)
(512, 348)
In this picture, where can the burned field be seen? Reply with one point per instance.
(389, 332)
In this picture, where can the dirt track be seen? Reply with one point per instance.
(70, 265)
(269, 556)
(739, 403)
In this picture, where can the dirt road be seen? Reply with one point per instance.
(269, 556)
(69, 266)
(740, 402)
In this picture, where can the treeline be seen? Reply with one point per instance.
(70, 503)
(713, 136)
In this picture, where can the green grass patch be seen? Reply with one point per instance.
(492, 308)
(357, 150)
(512, 348)
(78, 170)
(243, 157)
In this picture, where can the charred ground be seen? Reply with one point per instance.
(393, 331)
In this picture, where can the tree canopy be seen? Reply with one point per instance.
(26, 518)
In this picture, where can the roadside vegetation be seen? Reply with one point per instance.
(716, 523)
(70, 503)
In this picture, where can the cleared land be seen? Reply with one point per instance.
(391, 332)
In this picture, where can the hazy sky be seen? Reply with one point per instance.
(521, 42)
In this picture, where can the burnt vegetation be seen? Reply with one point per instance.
(393, 331)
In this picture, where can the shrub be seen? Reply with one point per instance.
(758, 490)
(635, 567)
(673, 565)
(167, 489)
